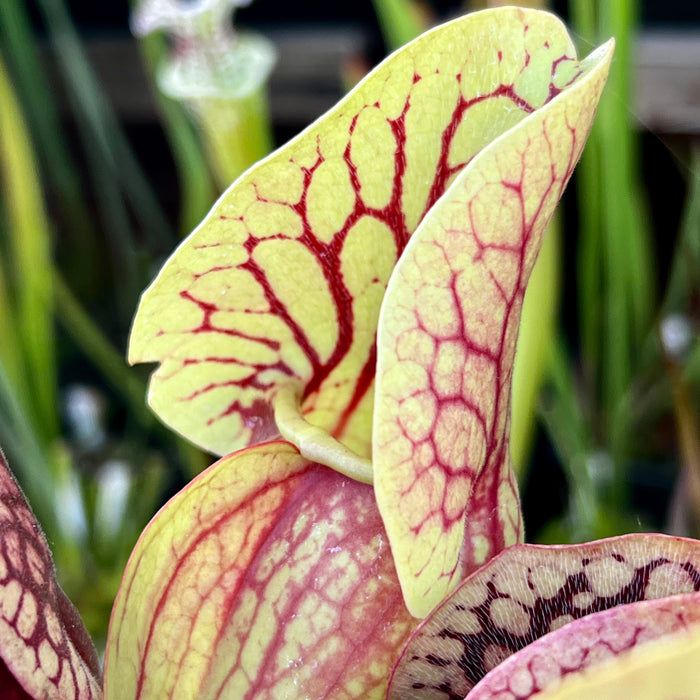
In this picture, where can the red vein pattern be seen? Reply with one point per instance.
(528, 591)
(245, 587)
(45, 651)
(282, 283)
(592, 640)
(446, 346)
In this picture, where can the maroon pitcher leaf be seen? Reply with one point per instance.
(528, 591)
(584, 643)
(44, 646)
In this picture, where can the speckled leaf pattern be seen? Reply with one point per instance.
(281, 285)
(267, 577)
(528, 591)
(587, 642)
(446, 343)
(665, 669)
(45, 651)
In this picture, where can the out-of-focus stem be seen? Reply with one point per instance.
(236, 132)
(688, 437)
(401, 20)
(197, 190)
(676, 334)
(227, 100)
(88, 337)
(684, 279)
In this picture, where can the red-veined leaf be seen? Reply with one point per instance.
(271, 306)
(526, 592)
(267, 576)
(45, 651)
(446, 343)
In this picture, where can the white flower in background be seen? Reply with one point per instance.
(84, 408)
(677, 335)
(219, 74)
(114, 481)
(209, 58)
(183, 17)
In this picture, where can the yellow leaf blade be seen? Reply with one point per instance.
(666, 669)
(280, 287)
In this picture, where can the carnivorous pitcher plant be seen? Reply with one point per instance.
(342, 327)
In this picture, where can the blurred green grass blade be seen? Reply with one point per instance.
(115, 222)
(95, 114)
(197, 191)
(628, 271)
(29, 422)
(111, 364)
(561, 406)
(11, 345)
(30, 261)
(588, 259)
(101, 137)
(613, 160)
(583, 19)
(400, 21)
(88, 337)
(620, 19)
(590, 286)
(561, 415)
(28, 457)
(536, 335)
(616, 283)
(23, 59)
(684, 278)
